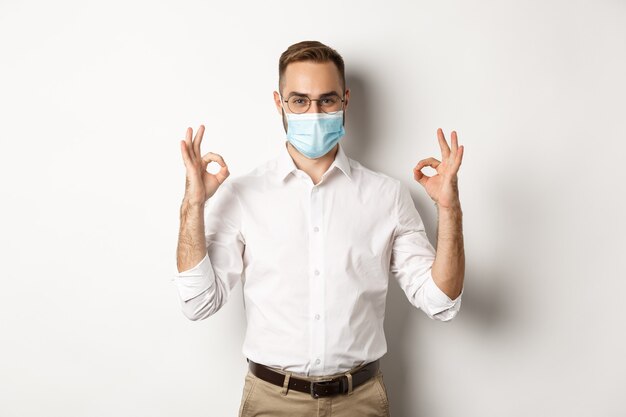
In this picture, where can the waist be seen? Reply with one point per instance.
(305, 367)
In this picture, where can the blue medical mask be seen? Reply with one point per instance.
(314, 134)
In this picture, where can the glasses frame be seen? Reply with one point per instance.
(311, 100)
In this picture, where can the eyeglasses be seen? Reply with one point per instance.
(330, 104)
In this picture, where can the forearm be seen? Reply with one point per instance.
(191, 240)
(449, 266)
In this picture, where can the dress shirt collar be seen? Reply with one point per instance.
(286, 166)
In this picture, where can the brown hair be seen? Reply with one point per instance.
(309, 51)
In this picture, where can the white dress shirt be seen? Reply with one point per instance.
(314, 261)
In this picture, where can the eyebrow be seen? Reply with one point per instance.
(295, 93)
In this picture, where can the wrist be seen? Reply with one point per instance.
(452, 208)
(188, 204)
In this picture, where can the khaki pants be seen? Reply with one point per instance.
(261, 398)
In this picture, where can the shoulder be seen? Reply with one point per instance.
(382, 183)
(252, 179)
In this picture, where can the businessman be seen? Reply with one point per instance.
(314, 236)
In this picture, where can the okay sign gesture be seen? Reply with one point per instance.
(200, 184)
(443, 187)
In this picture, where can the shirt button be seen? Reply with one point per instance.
(317, 361)
(317, 317)
(317, 272)
(316, 229)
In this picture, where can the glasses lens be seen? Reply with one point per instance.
(298, 104)
(330, 104)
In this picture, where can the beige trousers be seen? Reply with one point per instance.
(263, 399)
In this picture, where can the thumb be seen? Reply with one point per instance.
(420, 177)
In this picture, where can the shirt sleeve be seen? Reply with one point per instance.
(412, 257)
(205, 288)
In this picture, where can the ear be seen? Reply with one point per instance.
(279, 107)
(347, 98)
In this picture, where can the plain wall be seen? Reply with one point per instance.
(95, 97)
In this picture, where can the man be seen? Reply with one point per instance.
(314, 235)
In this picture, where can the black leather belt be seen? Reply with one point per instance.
(320, 388)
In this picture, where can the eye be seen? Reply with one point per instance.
(298, 101)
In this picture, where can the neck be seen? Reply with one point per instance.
(314, 168)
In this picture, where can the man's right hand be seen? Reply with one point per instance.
(200, 184)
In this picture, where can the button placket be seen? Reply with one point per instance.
(317, 285)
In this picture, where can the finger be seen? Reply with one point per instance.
(198, 139)
(210, 156)
(222, 174)
(455, 151)
(190, 151)
(186, 157)
(445, 149)
(432, 162)
(455, 144)
(458, 159)
(420, 177)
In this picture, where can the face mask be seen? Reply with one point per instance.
(314, 134)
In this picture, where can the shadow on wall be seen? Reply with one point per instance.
(482, 302)
(483, 308)
(358, 117)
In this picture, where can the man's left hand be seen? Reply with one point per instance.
(443, 187)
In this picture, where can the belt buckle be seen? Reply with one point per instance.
(330, 381)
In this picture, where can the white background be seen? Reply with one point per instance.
(95, 97)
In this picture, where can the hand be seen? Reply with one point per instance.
(443, 187)
(200, 185)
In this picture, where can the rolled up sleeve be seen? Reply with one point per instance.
(206, 287)
(412, 258)
(195, 281)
